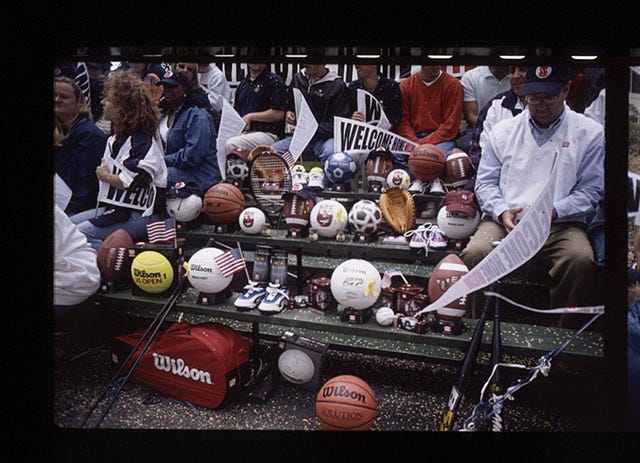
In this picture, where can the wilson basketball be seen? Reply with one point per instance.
(346, 403)
(427, 162)
(223, 203)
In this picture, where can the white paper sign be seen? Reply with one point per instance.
(142, 199)
(373, 111)
(358, 138)
(62, 192)
(306, 125)
(231, 125)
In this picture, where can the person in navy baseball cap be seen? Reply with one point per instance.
(175, 78)
(546, 79)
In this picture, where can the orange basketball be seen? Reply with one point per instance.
(427, 162)
(346, 403)
(223, 203)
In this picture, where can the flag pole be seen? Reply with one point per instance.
(244, 262)
(175, 233)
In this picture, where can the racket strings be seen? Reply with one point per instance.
(270, 178)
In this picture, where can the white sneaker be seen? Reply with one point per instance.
(418, 236)
(436, 239)
(315, 178)
(252, 296)
(437, 188)
(418, 187)
(275, 299)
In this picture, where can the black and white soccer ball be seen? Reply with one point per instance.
(365, 216)
(236, 168)
(340, 167)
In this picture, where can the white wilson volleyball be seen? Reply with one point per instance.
(355, 283)
(204, 274)
(296, 366)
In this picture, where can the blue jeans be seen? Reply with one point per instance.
(136, 226)
(318, 148)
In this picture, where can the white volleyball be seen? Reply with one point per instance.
(296, 366)
(355, 283)
(204, 273)
(457, 225)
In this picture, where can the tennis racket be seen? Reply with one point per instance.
(269, 178)
(465, 372)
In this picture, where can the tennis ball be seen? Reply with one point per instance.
(152, 272)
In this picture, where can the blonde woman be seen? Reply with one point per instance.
(78, 144)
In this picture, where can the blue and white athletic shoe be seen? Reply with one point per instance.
(252, 296)
(275, 299)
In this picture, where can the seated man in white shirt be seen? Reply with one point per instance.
(514, 168)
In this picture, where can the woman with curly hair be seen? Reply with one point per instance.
(78, 144)
(133, 173)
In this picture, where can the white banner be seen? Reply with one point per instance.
(518, 247)
(633, 181)
(358, 138)
(373, 111)
(141, 199)
(231, 125)
(61, 191)
(306, 125)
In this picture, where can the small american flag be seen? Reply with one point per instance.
(288, 157)
(160, 231)
(229, 262)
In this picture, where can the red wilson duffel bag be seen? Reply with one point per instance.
(193, 363)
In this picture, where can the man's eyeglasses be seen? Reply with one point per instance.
(531, 99)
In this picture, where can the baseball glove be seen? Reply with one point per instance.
(398, 209)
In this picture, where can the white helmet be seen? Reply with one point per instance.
(184, 209)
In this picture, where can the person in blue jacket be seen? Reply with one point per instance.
(188, 135)
(78, 144)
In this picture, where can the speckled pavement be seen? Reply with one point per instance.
(411, 396)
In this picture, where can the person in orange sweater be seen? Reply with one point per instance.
(431, 108)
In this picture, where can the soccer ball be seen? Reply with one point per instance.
(236, 168)
(340, 167)
(365, 216)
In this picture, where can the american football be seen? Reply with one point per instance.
(297, 210)
(112, 256)
(445, 274)
(458, 168)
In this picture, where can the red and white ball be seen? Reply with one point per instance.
(328, 216)
(458, 168)
(445, 274)
(398, 178)
(251, 220)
